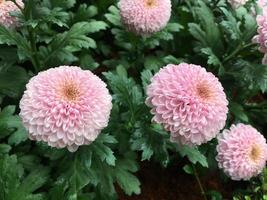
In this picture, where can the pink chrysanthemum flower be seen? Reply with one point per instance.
(189, 102)
(145, 17)
(262, 3)
(65, 107)
(261, 38)
(237, 3)
(242, 152)
(6, 7)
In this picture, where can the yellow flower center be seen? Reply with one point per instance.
(204, 91)
(150, 3)
(255, 153)
(70, 92)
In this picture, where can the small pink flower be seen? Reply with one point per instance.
(242, 152)
(6, 7)
(189, 102)
(145, 17)
(237, 3)
(262, 3)
(261, 38)
(65, 107)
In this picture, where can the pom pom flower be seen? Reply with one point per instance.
(262, 3)
(6, 7)
(261, 38)
(237, 3)
(189, 102)
(145, 17)
(65, 107)
(242, 152)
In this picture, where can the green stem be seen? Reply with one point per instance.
(236, 51)
(264, 182)
(216, 3)
(62, 43)
(199, 183)
(34, 57)
(35, 60)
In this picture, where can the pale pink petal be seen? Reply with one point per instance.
(65, 107)
(241, 152)
(189, 102)
(6, 7)
(145, 17)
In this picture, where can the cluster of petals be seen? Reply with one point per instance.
(237, 3)
(65, 107)
(262, 3)
(189, 102)
(144, 17)
(6, 9)
(242, 152)
(261, 38)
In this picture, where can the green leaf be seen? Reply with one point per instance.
(249, 23)
(238, 111)
(87, 62)
(231, 25)
(198, 33)
(151, 141)
(53, 16)
(105, 154)
(96, 26)
(13, 187)
(114, 16)
(193, 155)
(188, 169)
(13, 81)
(146, 76)
(11, 124)
(103, 151)
(29, 162)
(126, 91)
(171, 59)
(62, 4)
(18, 136)
(10, 37)
(6, 36)
(4, 148)
(75, 39)
(58, 191)
(78, 179)
(214, 195)
(212, 58)
(128, 182)
(86, 196)
(254, 76)
(174, 27)
(208, 32)
(153, 63)
(32, 182)
(8, 55)
(85, 12)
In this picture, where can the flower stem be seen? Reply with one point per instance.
(216, 3)
(33, 57)
(199, 183)
(35, 60)
(236, 51)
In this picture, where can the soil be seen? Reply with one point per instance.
(173, 183)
